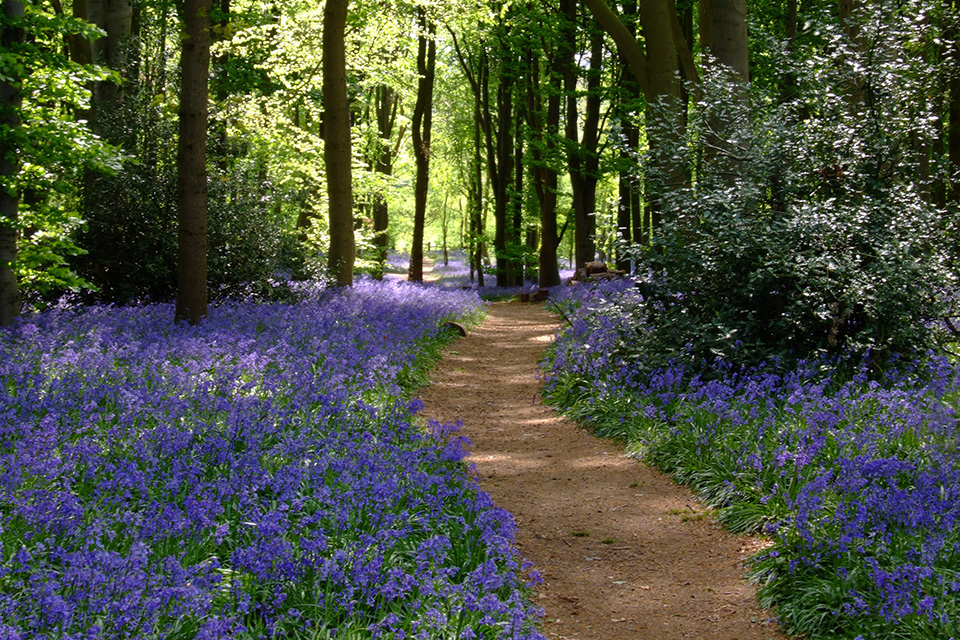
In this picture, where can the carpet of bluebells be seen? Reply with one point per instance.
(261, 475)
(854, 478)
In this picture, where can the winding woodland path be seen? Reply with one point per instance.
(625, 553)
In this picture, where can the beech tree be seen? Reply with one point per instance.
(115, 18)
(421, 132)
(386, 106)
(656, 65)
(337, 144)
(192, 162)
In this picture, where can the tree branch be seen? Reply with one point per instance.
(628, 46)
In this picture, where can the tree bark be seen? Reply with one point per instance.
(10, 101)
(545, 134)
(477, 77)
(386, 105)
(501, 164)
(723, 34)
(192, 164)
(336, 149)
(655, 66)
(476, 220)
(515, 237)
(628, 194)
(583, 158)
(115, 17)
(422, 125)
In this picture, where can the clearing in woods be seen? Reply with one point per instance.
(624, 552)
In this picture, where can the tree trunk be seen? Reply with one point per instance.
(545, 132)
(336, 148)
(192, 164)
(386, 105)
(583, 159)
(445, 227)
(10, 101)
(655, 67)
(723, 34)
(115, 17)
(422, 125)
(476, 220)
(503, 158)
(626, 190)
(515, 238)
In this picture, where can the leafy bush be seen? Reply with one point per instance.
(809, 228)
(130, 237)
(52, 149)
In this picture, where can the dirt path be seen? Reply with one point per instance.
(624, 552)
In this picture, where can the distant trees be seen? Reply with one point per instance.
(554, 131)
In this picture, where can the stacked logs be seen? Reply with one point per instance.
(592, 271)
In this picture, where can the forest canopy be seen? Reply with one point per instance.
(779, 178)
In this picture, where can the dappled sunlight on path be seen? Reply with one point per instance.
(624, 552)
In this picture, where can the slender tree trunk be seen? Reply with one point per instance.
(476, 220)
(503, 158)
(386, 99)
(336, 149)
(627, 191)
(583, 159)
(478, 77)
(515, 238)
(444, 228)
(544, 132)
(422, 125)
(192, 164)
(10, 100)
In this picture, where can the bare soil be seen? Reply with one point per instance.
(625, 553)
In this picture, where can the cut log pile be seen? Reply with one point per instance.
(536, 296)
(595, 271)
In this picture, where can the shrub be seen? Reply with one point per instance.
(808, 228)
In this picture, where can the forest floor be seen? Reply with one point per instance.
(624, 552)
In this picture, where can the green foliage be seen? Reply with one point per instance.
(809, 228)
(54, 150)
